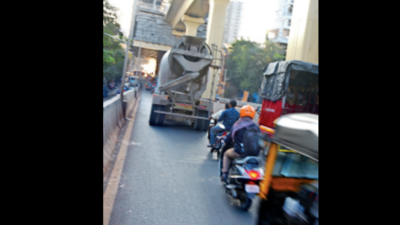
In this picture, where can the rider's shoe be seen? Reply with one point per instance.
(224, 177)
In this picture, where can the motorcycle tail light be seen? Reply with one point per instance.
(253, 174)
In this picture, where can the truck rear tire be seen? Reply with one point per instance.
(201, 124)
(157, 118)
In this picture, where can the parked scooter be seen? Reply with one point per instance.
(244, 177)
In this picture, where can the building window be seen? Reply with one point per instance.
(289, 22)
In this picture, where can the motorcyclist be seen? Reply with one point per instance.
(228, 118)
(235, 135)
(215, 117)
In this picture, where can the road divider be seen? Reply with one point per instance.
(114, 120)
(113, 183)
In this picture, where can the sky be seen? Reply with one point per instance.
(124, 13)
(257, 17)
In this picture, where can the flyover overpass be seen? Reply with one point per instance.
(159, 26)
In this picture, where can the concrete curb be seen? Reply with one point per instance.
(111, 143)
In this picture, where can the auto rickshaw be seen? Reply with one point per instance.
(288, 87)
(289, 190)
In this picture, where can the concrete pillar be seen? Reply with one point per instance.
(303, 41)
(192, 24)
(215, 35)
(178, 33)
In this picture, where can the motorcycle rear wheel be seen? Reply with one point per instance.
(245, 202)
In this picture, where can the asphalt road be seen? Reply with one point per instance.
(169, 177)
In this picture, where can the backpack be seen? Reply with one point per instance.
(250, 146)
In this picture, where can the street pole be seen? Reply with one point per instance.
(113, 37)
(128, 44)
(138, 63)
(223, 94)
(212, 87)
(224, 73)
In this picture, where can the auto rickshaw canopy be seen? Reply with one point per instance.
(277, 76)
(298, 132)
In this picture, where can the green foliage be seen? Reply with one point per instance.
(245, 63)
(113, 53)
(107, 56)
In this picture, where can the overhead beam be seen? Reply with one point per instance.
(143, 44)
(182, 10)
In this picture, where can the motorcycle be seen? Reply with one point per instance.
(244, 177)
(153, 87)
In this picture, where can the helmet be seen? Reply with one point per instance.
(247, 110)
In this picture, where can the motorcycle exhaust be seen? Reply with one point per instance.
(232, 193)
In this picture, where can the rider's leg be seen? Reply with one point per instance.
(229, 155)
(224, 148)
(209, 128)
(213, 133)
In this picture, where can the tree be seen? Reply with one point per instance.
(245, 63)
(113, 53)
(274, 48)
